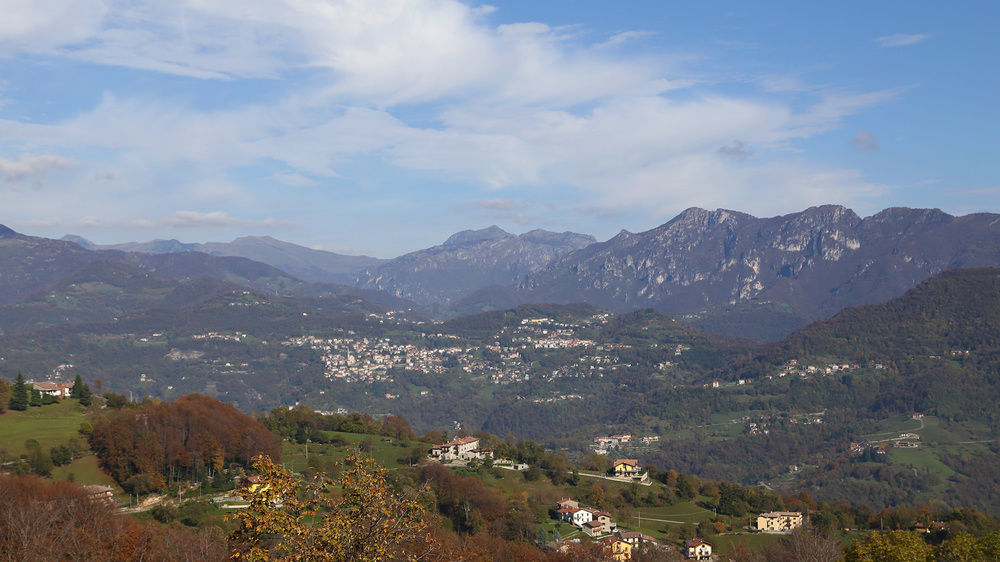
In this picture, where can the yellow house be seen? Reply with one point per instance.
(626, 467)
(617, 549)
(779, 521)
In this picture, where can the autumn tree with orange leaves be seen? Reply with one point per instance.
(366, 519)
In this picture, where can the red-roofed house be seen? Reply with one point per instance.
(57, 389)
(698, 549)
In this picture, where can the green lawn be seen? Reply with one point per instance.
(50, 425)
(386, 451)
(85, 470)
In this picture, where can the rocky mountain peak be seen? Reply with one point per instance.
(489, 234)
(539, 236)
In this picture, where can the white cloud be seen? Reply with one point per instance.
(31, 166)
(901, 39)
(41, 25)
(502, 107)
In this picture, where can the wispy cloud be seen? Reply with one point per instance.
(736, 149)
(517, 211)
(180, 219)
(626, 36)
(194, 219)
(864, 141)
(901, 39)
(502, 107)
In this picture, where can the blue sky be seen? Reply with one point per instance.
(383, 126)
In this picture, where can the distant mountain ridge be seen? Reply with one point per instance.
(725, 271)
(45, 282)
(308, 264)
(803, 266)
(469, 261)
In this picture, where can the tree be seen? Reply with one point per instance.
(36, 398)
(85, 396)
(890, 546)
(962, 546)
(367, 521)
(19, 394)
(805, 544)
(4, 395)
(77, 385)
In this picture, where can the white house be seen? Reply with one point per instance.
(576, 516)
(698, 549)
(458, 449)
(57, 389)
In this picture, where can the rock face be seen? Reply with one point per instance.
(468, 261)
(809, 264)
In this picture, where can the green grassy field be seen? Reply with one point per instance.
(386, 451)
(50, 425)
(85, 470)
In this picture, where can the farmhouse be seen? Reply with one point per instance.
(57, 389)
(459, 449)
(575, 515)
(698, 549)
(779, 521)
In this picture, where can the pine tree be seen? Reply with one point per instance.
(19, 395)
(542, 537)
(84, 394)
(77, 386)
(36, 398)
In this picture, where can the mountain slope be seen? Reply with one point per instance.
(872, 375)
(717, 265)
(468, 261)
(308, 264)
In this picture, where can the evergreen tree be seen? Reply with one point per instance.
(77, 385)
(556, 536)
(84, 395)
(19, 395)
(36, 398)
(542, 537)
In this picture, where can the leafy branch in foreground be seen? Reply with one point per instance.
(292, 519)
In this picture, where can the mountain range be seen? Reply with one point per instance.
(725, 271)
(307, 264)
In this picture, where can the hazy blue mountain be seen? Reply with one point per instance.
(304, 263)
(469, 261)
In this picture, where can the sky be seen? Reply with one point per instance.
(380, 127)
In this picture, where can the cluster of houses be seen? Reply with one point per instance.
(595, 522)
(604, 443)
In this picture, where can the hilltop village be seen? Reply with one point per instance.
(354, 358)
